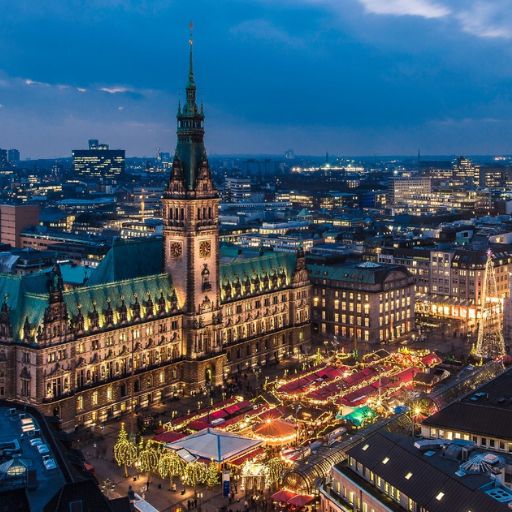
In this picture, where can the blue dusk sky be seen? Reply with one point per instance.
(352, 77)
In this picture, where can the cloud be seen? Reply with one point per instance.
(422, 8)
(30, 82)
(487, 20)
(116, 89)
(266, 31)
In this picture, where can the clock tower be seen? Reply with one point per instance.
(190, 216)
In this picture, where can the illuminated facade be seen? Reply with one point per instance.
(157, 315)
(366, 302)
(98, 161)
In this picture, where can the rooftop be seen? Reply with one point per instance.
(487, 411)
(431, 478)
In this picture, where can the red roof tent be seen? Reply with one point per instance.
(198, 425)
(217, 405)
(218, 414)
(358, 397)
(247, 456)
(431, 359)
(331, 372)
(327, 391)
(301, 500)
(283, 496)
(238, 407)
(407, 375)
(168, 437)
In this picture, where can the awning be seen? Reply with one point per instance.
(301, 500)
(247, 456)
(168, 437)
(218, 414)
(283, 496)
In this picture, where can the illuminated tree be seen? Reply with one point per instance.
(275, 471)
(170, 465)
(212, 474)
(148, 458)
(195, 474)
(125, 452)
(319, 358)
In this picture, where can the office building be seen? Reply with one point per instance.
(404, 189)
(99, 161)
(14, 218)
(367, 302)
(237, 190)
(466, 172)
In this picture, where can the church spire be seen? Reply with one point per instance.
(191, 85)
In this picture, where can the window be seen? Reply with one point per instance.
(385, 460)
(94, 398)
(408, 476)
(80, 403)
(440, 496)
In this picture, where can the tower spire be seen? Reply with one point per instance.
(190, 60)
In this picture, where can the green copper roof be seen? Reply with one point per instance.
(240, 267)
(23, 296)
(129, 259)
(128, 289)
(363, 273)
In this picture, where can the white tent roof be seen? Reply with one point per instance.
(214, 444)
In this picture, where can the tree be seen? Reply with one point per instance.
(212, 474)
(125, 452)
(194, 474)
(275, 471)
(148, 458)
(170, 465)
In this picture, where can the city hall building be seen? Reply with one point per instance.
(157, 315)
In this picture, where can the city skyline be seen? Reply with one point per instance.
(420, 74)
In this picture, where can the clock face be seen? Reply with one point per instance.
(205, 249)
(175, 249)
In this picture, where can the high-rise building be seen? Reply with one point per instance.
(156, 316)
(14, 218)
(404, 189)
(465, 171)
(13, 156)
(99, 161)
(237, 189)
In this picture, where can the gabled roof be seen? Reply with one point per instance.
(214, 444)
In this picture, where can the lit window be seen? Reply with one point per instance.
(439, 497)
(408, 476)
(386, 460)
(365, 447)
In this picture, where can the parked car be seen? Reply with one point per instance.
(43, 449)
(49, 462)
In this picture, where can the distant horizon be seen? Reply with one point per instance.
(423, 157)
